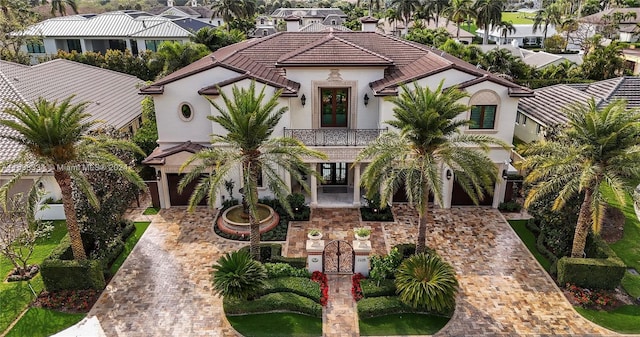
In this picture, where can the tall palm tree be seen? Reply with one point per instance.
(488, 14)
(436, 8)
(250, 121)
(550, 15)
(459, 12)
(227, 9)
(405, 9)
(53, 138)
(600, 147)
(428, 141)
(60, 6)
(505, 28)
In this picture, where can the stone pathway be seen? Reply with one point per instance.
(340, 318)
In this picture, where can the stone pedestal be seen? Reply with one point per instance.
(314, 255)
(361, 250)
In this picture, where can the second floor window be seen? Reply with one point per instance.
(35, 47)
(483, 117)
(334, 105)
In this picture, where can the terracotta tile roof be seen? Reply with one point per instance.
(157, 157)
(264, 58)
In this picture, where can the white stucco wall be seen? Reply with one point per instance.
(527, 131)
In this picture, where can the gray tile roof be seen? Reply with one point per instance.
(8, 149)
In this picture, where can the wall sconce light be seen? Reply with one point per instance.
(504, 174)
(449, 174)
(303, 99)
(158, 175)
(366, 99)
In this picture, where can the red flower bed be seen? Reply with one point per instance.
(68, 300)
(591, 299)
(321, 278)
(356, 289)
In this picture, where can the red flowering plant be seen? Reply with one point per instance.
(68, 300)
(356, 289)
(591, 299)
(321, 278)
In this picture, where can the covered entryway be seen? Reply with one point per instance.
(461, 198)
(181, 199)
(338, 258)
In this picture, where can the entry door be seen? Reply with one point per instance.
(334, 173)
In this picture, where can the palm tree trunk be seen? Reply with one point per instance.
(254, 237)
(64, 181)
(582, 227)
(485, 38)
(422, 225)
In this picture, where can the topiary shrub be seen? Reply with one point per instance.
(604, 271)
(236, 274)
(275, 270)
(72, 274)
(298, 285)
(371, 288)
(510, 206)
(381, 306)
(427, 282)
(288, 302)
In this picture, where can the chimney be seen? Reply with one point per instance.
(293, 23)
(369, 24)
(194, 3)
(170, 3)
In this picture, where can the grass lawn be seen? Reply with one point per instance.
(518, 18)
(402, 324)
(150, 211)
(128, 245)
(276, 325)
(43, 322)
(625, 319)
(519, 226)
(15, 296)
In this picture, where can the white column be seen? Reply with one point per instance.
(362, 250)
(165, 201)
(314, 188)
(356, 185)
(287, 180)
(500, 186)
(314, 255)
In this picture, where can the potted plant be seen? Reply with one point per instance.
(314, 234)
(362, 233)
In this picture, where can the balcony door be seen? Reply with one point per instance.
(334, 173)
(334, 107)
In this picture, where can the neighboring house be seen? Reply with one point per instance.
(547, 107)
(325, 16)
(536, 59)
(523, 35)
(113, 101)
(632, 60)
(192, 11)
(396, 28)
(623, 21)
(122, 30)
(334, 85)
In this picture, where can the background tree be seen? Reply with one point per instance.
(436, 9)
(602, 62)
(600, 147)
(176, 55)
(146, 136)
(549, 15)
(16, 16)
(459, 12)
(430, 37)
(428, 140)
(405, 9)
(250, 120)
(53, 137)
(216, 38)
(488, 14)
(505, 28)
(60, 6)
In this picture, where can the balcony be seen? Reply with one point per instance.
(334, 137)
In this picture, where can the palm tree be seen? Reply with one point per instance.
(429, 139)
(550, 15)
(227, 9)
(53, 138)
(436, 8)
(600, 147)
(250, 124)
(405, 9)
(488, 14)
(427, 282)
(505, 28)
(60, 6)
(175, 55)
(459, 12)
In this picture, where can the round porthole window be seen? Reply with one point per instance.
(186, 112)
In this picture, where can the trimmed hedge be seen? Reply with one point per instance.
(275, 270)
(297, 262)
(288, 302)
(382, 306)
(272, 252)
(371, 288)
(72, 274)
(297, 285)
(604, 271)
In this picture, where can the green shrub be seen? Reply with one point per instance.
(72, 274)
(373, 211)
(296, 262)
(128, 229)
(381, 306)
(63, 250)
(236, 274)
(298, 285)
(384, 267)
(605, 271)
(427, 282)
(371, 288)
(289, 302)
(110, 254)
(406, 249)
(510, 206)
(283, 269)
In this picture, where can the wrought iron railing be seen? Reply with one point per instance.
(334, 137)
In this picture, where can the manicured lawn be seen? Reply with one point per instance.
(519, 226)
(517, 18)
(43, 322)
(276, 325)
(625, 319)
(15, 296)
(150, 211)
(402, 324)
(128, 245)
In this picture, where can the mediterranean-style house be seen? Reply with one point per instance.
(112, 96)
(334, 85)
(547, 107)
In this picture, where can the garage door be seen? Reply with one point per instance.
(461, 198)
(181, 199)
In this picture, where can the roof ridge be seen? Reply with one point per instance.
(13, 88)
(614, 89)
(325, 39)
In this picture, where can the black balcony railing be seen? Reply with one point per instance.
(334, 137)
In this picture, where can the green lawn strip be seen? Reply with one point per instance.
(519, 226)
(276, 325)
(631, 283)
(625, 319)
(150, 211)
(16, 296)
(43, 322)
(517, 18)
(128, 245)
(627, 248)
(402, 324)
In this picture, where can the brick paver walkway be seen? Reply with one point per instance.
(164, 287)
(340, 318)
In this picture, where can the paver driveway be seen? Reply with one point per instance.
(163, 289)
